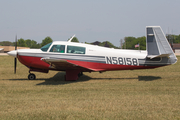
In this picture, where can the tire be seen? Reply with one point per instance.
(31, 76)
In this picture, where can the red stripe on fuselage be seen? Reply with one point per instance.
(107, 67)
(36, 62)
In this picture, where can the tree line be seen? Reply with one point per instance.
(128, 43)
(33, 44)
(27, 43)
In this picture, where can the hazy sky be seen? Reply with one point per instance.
(90, 20)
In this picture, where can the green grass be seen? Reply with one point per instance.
(139, 94)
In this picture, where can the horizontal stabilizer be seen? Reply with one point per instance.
(156, 56)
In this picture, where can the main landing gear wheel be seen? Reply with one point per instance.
(31, 76)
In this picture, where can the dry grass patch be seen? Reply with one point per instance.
(141, 94)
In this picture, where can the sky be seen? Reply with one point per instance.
(89, 20)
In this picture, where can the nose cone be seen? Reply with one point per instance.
(13, 53)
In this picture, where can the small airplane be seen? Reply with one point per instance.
(76, 58)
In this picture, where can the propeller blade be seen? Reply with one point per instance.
(16, 43)
(15, 59)
(15, 64)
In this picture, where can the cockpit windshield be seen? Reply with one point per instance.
(46, 47)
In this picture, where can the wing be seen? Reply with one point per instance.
(63, 65)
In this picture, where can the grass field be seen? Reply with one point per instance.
(140, 94)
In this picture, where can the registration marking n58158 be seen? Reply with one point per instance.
(122, 61)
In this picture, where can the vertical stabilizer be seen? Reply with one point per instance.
(157, 44)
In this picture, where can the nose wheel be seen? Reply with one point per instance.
(31, 76)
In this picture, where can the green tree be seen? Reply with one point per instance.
(130, 43)
(103, 44)
(46, 41)
(21, 43)
(142, 43)
(34, 44)
(28, 42)
(173, 38)
(6, 43)
(75, 39)
(177, 38)
(107, 44)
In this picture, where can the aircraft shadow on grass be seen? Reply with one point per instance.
(59, 79)
(148, 78)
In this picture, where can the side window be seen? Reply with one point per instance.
(58, 48)
(76, 49)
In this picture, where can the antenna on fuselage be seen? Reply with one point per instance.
(71, 38)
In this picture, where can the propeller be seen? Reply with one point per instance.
(15, 59)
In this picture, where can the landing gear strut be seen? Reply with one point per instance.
(31, 76)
